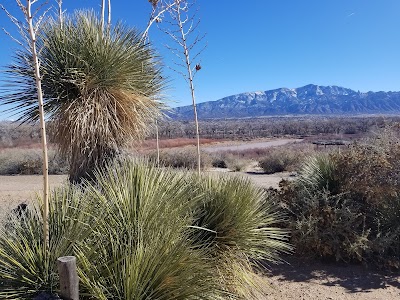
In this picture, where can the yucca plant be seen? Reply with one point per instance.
(143, 249)
(101, 88)
(319, 172)
(27, 267)
(242, 230)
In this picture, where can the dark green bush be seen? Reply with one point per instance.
(219, 163)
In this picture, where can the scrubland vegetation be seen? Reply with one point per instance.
(275, 126)
(345, 205)
(145, 231)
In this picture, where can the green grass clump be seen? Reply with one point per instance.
(26, 268)
(242, 230)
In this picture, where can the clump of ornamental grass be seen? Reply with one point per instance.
(26, 268)
(143, 250)
(242, 230)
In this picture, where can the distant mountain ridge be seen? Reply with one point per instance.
(309, 99)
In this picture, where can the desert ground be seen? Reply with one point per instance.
(298, 279)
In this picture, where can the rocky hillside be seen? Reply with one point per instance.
(309, 99)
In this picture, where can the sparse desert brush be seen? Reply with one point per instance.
(18, 135)
(345, 205)
(371, 167)
(173, 143)
(185, 158)
(28, 161)
(325, 225)
(229, 160)
(280, 159)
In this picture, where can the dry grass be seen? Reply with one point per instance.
(28, 161)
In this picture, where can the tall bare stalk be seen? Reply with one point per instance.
(185, 24)
(109, 15)
(28, 34)
(32, 33)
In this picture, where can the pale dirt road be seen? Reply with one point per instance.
(300, 280)
(239, 146)
(22, 189)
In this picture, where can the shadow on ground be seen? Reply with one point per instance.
(354, 278)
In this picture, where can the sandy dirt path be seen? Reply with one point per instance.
(22, 189)
(304, 279)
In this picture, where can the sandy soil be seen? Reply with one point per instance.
(300, 279)
(304, 279)
(22, 189)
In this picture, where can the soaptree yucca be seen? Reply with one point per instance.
(101, 88)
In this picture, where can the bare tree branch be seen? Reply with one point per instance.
(157, 12)
(185, 25)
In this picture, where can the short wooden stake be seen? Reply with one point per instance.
(69, 281)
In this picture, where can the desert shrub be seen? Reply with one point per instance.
(370, 169)
(181, 158)
(21, 161)
(279, 160)
(272, 164)
(325, 225)
(229, 160)
(346, 205)
(219, 163)
(238, 165)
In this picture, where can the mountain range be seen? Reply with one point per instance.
(309, 99)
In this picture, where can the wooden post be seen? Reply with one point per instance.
(69, 281)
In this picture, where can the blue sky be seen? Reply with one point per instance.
(265, 44)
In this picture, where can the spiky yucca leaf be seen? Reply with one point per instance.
(318, 172)
(143, 251)
(101, 89)
(242, 230)
(25, 267)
